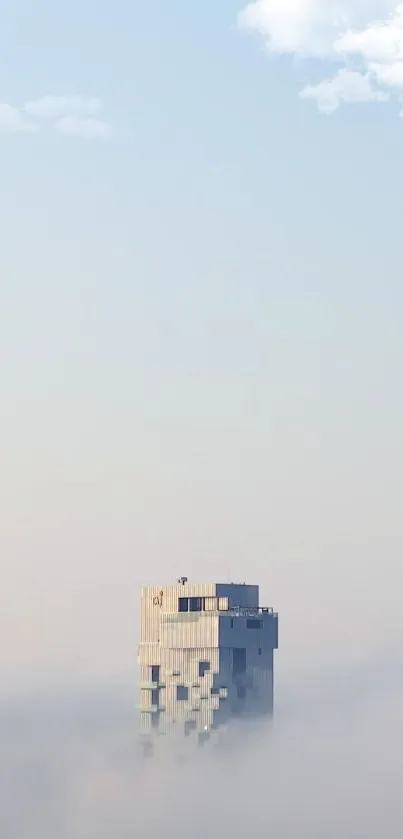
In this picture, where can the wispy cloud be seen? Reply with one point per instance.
(12, 121)
(56, 107)
(366, 39)
(88, 128)
(347, 86)
(73, 116)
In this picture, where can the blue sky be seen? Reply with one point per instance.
(200, 320)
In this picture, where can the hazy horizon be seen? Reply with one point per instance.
(329, 763)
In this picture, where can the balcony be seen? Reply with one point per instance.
(151, 709)
(148, 685)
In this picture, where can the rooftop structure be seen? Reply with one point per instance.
(206, 655)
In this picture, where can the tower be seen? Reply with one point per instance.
(206, 655)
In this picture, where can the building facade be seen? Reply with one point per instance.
(206, 655)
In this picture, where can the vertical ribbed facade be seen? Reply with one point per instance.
(205, 655)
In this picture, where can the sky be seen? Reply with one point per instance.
(200, 335)
(200, 325)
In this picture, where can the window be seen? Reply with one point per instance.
(253, 623)
(210, 604)
(190, 725)
(215, 691)
(204, 667)
(155, 697)
(155, 673)
(182, 693)
(196, 604)
(260, 651)
(238, 660)
(147, 749)
(183, 604)
(232, 623)
(203, 737)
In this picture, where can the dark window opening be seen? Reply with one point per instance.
(190, 725)
(232, 623)
(253, 623)
(182, 693)
(241, 692)
(239, 660)
(148, 749)
(260, 651)
(215, 691)
(204, 667)
(155, 673)
(203, 737)
(183, 604)
(196, 604)
(155, 697)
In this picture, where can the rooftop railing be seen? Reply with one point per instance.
(232, 612)
(250, 611)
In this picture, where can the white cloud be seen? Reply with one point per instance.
(346, 86)
(56, 107)
(87, 128)
(12, 121)
(364, 36)
(390, 75)
(305, 27)
(380, 40)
